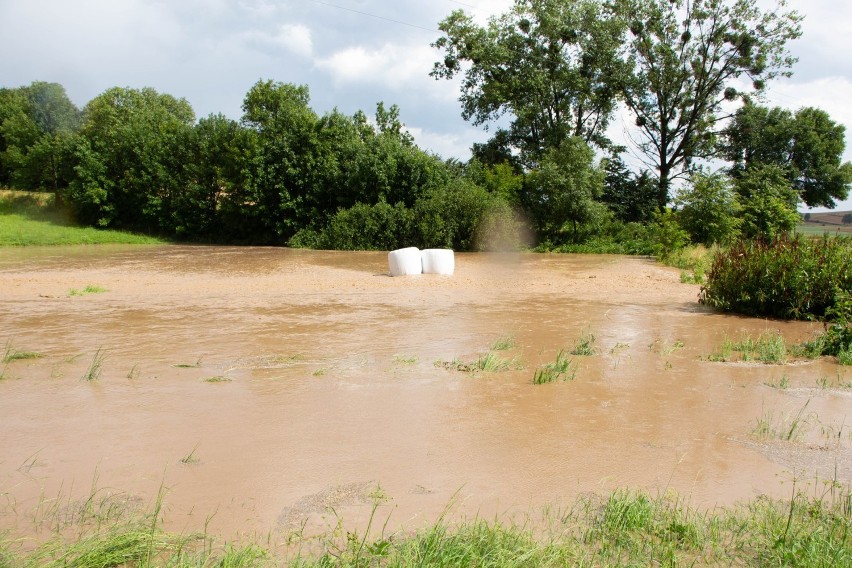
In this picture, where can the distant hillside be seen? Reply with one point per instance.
(831, 221)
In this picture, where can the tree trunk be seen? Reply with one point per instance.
(663, 188)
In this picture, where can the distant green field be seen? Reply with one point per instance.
(29, 219)
(818, 230)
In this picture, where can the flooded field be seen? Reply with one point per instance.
(262, 387)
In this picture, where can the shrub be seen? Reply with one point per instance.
(363, 227)
(837, 338)
(708, 209)
(448, 216)
(788, 277)
(667, 234)
(768, 202)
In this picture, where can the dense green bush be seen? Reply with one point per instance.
(612, 237)
(449, 216)
(788, 277)
(768, 202)
(365, 227)
(708, 209)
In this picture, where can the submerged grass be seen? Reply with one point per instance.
(400, 359)
(790, 427)
(489, 362)
(562, 369)
(195, 365)
(625, 528)
(504, 343)
(89, 289)
(96, 366)
(585, 344)
(782, 384)
(10, 353)
(217, 379)
(768, 347)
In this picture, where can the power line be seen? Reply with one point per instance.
(463, 4)
(376, 16)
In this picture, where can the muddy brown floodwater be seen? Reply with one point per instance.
(326, 387)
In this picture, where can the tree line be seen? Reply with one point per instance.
(689, 72)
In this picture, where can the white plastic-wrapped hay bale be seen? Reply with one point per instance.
(404, 261)
(438, 261)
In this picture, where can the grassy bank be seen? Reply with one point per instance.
(624, 529)
(30, 218)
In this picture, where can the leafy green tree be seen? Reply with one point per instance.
(286, 131)
(18, 133)
(500, 179)
(768, 202)
(52, 110)
(132, 144)
(497, 150)
(551, 64)
(389, 166)
(562, 194)
(808, 145)
(38, 124)
(689, 57)
(631, 198)
(708, 209)
(216, 190)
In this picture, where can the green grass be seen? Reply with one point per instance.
(782, 384)
(789, 427)
(134, 372)
(585, 344)
(11, 354)
(768, 347)
(562, 369)
(191, 458)
(95, 367)
(504, 343)
(694, 261)
(195, 365)
(815, 230)
(624, 528)
(89, 289)
(489, 362)
(30, 219)
(217, 379)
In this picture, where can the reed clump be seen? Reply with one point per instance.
(562, 369)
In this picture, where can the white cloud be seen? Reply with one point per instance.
(296, 38)
(831, 94)
(447, 144)
(396, 66)
(482, 10)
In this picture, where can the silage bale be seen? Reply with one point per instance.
(438, 261)
(404, 261)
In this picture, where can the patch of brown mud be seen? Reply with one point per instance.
(331, 498)
(326, 378)
(819, 464)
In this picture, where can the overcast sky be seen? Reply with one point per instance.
(350, 53)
